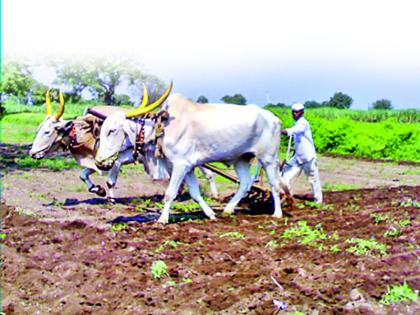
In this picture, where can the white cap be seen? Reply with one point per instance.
(297, 107)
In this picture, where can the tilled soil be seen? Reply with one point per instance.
(74, 267)
(61, 255)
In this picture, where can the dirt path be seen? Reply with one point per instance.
(60, 255)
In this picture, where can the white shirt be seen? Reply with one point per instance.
(304, 145)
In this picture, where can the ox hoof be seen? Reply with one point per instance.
(213, 218)
(228, 211)
(278, 215)
(112, 201)
(98, 190)
(163, 221)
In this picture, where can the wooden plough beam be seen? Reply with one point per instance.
(254, 187)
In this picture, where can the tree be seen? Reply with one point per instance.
(238, 99)
(123, 99)
(202, 99)
(17, 78)
(312, 104)
(382, 104)
(340, 100)
(102, 76)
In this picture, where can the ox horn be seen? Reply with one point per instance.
(48, 109)
(145, 99)
(143, 110)
(60, 111)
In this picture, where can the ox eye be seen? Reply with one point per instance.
(47, 132)
(111, 131)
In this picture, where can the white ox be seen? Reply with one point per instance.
(200, 133)
(54, 132)
(80, 136)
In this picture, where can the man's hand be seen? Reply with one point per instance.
(284, 132)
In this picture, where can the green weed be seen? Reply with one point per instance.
(392, 232)
(232, 235)
(335, 249)
(366, 247)
(399, 293)
(410, 203)
(272, 244)
(187, 280)
(118, 227)
(159, 269)
(307, 234)
(168, 243)
(378, 217)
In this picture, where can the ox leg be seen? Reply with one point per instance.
(273, 175)
(112, 181)
(242, 169)
(212, 182)
(97, 189)
(177, 176)
(196, 195)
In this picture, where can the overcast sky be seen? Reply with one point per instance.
(285, 51)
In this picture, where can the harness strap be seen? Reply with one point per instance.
(138, 147)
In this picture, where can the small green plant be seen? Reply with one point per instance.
(2, 236)
(297, 313)
(366, 247)
(405, 221)
(335, 249)
(272, 244)
(159, 269)
(378, 217)
(399, 293)
(187, 280)
(392, 232)
(232, 235)
(168, 243)
(410, 203)
(171, 283)
(118, 227)
(308, 235)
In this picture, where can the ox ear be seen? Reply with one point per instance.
(130, 130)
(65, 127)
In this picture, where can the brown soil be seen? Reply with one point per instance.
(61, 255)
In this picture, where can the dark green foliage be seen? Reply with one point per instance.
(202, 99)
(312, 104)
(238, 99)
(386, 139)
(123, 99)
(382, 104)
(16, 79)
(340, 100)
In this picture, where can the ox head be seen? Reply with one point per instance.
(118, 132)
(50, 132)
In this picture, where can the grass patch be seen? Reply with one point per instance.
(55, 164)
(399, 293)
(366, 247)
(337, 187)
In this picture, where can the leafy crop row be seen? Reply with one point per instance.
(388, 139)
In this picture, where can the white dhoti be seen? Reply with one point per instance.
(310, 169)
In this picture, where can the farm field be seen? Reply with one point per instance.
(62, 256)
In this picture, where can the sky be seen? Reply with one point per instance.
(267, 50)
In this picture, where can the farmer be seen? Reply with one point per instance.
(305, 154)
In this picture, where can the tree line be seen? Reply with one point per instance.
(102, 78)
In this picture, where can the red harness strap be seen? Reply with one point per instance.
(139, 145)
